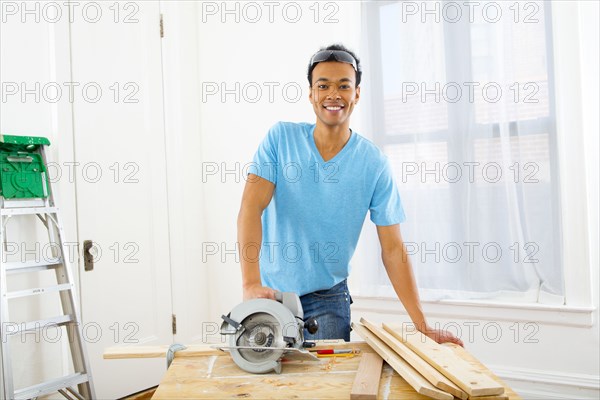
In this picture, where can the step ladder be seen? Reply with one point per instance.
(25, 190)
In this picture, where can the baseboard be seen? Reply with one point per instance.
(539, 384)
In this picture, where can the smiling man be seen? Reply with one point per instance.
(305, 202)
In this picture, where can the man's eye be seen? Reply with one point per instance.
(322, 87)
(345, 87)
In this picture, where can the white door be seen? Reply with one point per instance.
(121, 187)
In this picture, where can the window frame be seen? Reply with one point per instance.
(561, 29)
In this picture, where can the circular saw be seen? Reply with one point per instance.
(261, 332)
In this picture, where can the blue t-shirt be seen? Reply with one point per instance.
(312, 225)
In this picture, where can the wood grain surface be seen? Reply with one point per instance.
(217, 377)
(366, 380)
(470, 379)
(435, 377)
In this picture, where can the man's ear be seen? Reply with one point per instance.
(310, 96)
(357, 95)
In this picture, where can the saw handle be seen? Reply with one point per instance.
(311, 325)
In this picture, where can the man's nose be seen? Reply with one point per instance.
(333, 93)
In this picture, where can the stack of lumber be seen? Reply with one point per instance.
(431, 369)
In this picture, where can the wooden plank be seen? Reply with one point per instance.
(471, 380)
(120, 352)
(412, 377)
(393, 386)
(199, 350)
(436, 378)
(366, 383)
(475, 363)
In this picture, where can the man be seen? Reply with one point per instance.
(305, 202)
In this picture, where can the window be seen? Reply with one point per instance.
(463, 108)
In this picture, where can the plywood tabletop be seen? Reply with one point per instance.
(217, 376)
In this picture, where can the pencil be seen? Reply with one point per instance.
(334, 351)
(336, 355)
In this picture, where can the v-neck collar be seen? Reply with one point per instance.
(339, 154)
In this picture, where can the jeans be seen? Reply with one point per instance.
(331, 309)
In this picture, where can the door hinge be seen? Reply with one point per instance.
(174, 323)
(162, 27)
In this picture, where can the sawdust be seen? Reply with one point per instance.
(329, 365)
(276, 382)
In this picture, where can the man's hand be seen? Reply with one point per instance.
(441, 336)
(258, 292)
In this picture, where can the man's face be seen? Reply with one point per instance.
(333, 93)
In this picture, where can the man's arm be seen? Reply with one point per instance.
(257, 196)
(399, 270)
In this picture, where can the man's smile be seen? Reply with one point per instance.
(333, 107)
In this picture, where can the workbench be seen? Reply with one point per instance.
(210, 373)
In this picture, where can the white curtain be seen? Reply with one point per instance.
(464, 111)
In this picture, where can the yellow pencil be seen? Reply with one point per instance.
(336, 355)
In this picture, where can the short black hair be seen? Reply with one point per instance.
(341, 47)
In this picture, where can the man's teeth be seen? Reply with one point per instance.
(332, 108)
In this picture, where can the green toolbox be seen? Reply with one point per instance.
(22, 171)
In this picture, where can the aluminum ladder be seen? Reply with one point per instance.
(77, 385)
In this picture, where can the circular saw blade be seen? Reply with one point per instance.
(261, 330)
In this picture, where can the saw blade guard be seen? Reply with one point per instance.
(262, 323)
